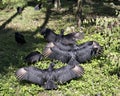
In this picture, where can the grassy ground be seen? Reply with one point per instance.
(101, 76)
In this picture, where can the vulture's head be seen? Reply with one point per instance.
(97, 49)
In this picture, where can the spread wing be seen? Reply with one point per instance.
(48, 77)
(51, 36)
(41, 77)
(31, 74)
(53, 52)
(74, 36)
(68, 73)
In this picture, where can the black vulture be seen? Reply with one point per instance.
(19, 38)
(48, 78)
(33, 57)
(81, 53)
(70, 38)
(38, 6)
(19, 10)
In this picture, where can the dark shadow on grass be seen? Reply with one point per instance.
(9, 20)
(15, 55)
(102, 8)
(12, 54)
(98, 9)
(47, 17)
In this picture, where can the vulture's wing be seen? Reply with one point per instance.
(65, 39)
(63, 46)
(41, 77)
(31, 74)
(49, 35)
(53, 52)
(74, 36)
(68, 73)
(83, 45)
(48, 77)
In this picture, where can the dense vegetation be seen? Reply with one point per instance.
(101, 23)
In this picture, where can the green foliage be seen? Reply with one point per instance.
(101, 75)
(14, 3)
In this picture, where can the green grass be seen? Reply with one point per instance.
(100, 75)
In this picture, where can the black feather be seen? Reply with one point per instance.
(38, 6)
(48, 78)
(19, 10)
(81, 53)
(53, 52)
(19, 38)
(33, 57)
(72, 36)
(68, 39)
(49, 35)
